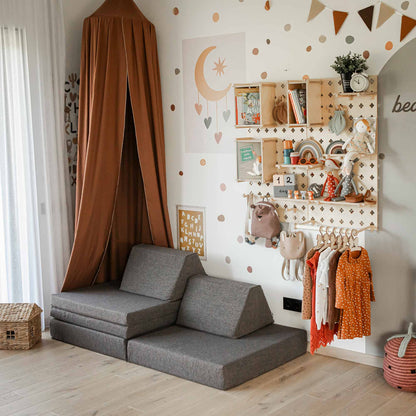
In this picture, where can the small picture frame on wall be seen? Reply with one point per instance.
(191, 229)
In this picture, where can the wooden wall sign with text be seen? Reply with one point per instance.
(191, 230)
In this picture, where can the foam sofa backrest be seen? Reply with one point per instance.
(223, 307)
(159, 272)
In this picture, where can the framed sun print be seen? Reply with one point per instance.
(191, 230)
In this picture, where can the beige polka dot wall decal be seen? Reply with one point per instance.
(228, 260)
(268, 41)
(250, 269)
(287, 27)
(177, 71)
(215, 17)
(263, 75)
(172, 107)
(180, 173)
(366, 54)
(221, 218)
(349, 39)
(309, 48)
(223, 187)
(322, 38)
(255, 51)
(405, 5)
(240, 239)
(389, 46)
(203, 162)
(175, 11)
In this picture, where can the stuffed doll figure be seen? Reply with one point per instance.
(331, 182)
(347, 185)
(361, 141)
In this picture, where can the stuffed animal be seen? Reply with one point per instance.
(361, 141)
(265, 222)
(292, 248)
(331, 181)
(347, 184)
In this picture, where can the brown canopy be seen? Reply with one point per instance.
(121, 192)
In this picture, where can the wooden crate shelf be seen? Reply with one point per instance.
(267, 93)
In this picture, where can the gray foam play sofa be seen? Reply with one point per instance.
(167, 314)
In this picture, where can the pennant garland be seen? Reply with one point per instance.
(339, 19)
(384, 14)
(407, 25)
(316, 8)
(366, 14)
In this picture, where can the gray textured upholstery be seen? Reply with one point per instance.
(213, 360)
(146, 323)
(106, 302)
(159, 272)
(88, 338)
(223, 307)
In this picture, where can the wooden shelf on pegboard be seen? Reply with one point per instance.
(321, 201)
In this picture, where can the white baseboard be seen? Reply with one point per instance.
(356, 357)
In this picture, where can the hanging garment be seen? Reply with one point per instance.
(121, 196)
(354, 294)
(333, 312)
(321, 299)
(337, 123)
(307, 286)
(324, 336)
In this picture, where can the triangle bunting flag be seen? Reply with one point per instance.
(316, 8)
(407, 25)
(385, 13)
(339, 19)
(367, 16)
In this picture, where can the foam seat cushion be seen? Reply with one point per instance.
(214, 360)
(159, 272)
(106, 308)
(223, 307)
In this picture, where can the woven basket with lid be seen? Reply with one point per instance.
(400, 361)
(20, 325)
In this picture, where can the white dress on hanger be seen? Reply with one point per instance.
(321, 293)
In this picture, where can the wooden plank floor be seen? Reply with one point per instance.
(59, 379)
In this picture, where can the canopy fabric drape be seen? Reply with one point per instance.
(121, 196)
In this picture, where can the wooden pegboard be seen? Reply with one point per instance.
(340, 214)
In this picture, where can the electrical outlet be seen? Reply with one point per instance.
(291, 304)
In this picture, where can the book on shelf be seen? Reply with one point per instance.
(297, 99)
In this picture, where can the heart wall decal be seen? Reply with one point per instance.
(226, 114)
(207, 122)
(198, 108)
(218, 137)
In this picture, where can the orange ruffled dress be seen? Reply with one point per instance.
(354, 294)
(323, 336)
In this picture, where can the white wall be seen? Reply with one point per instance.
(285, 58)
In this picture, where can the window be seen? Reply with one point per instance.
(10, 335)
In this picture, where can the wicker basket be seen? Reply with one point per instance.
(400, 361)
(20, 327)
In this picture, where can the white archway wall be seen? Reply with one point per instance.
(286, 57)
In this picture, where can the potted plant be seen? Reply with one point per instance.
(346, 65)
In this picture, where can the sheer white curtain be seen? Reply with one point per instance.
(35, 209)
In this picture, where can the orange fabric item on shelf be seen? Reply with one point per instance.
(323, 336)
(354, 294)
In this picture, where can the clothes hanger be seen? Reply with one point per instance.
(355, 246)
(334, 240)
(319, 239)
(345, 241)
(327, 241)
